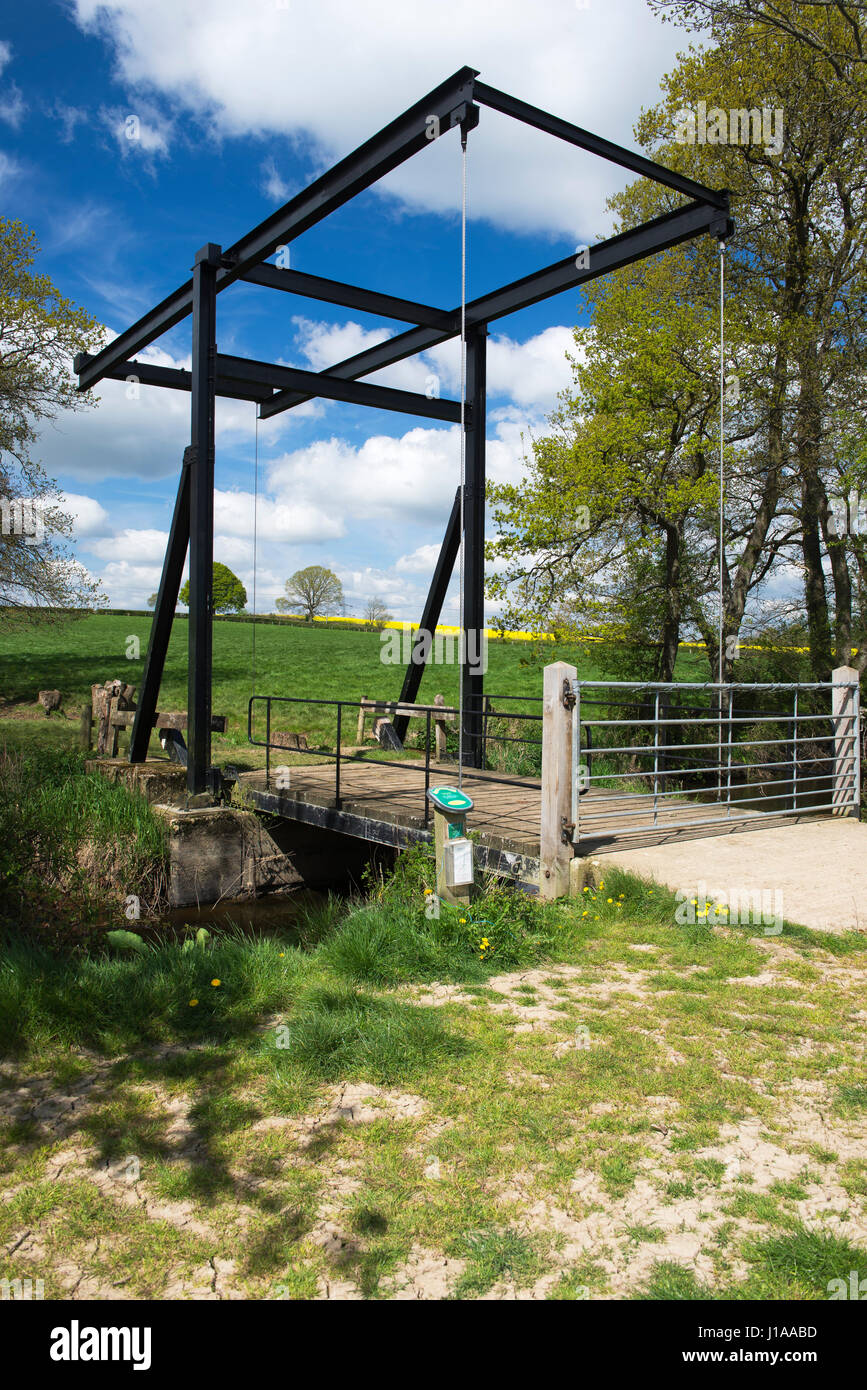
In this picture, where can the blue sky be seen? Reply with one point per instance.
(236, 108)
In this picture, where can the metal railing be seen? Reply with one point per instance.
(490, 736)
(654, 754)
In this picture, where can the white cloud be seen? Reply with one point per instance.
(9, 168)
(89, 516)
(69, 117)
(143, 131)
(419, 561)
(531, 373)
(265, 75)
(129, 585)
(273, 185)
(12, 105)
(285, 521)
(137, 547)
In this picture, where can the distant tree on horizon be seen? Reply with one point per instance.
(230, 596)
(313, 590)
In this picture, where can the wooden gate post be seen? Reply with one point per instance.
(555, 852)
(845, 710)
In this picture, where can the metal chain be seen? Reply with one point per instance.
(462, 639)
(255, 539)
(722, 261)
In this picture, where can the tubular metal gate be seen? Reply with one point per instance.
(653, 757)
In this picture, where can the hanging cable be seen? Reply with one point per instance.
(722, 385)
(462, 639)
(255, 541)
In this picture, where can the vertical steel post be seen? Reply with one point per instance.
(268, 743)
(337, 763)
(164, 612)
(426, 767)
(473, 616)
(655, 757)
(204, 375)
(729, 752)
(795, 752)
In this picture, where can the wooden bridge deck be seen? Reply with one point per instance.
(385, 804)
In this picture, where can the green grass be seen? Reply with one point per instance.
(339, 1033)
(73, 846)
(306, 663)
(484, 1123)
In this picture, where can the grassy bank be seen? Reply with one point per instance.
(73, 847)
(559, 1101)
(304, 662)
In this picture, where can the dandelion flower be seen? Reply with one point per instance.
(215, 983)
(463, 919)
(193, 1003)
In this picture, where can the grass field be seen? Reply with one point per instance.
(598, 1104)
(565, 1101)
(306, 663)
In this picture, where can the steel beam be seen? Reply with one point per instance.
(335, 388)
(241, 378)
(204, 376)
(164, 612)
(660, 234)
(433, 607)
(179, 379)
(594, 144)
(394, 144)
(353, 297)
(473, 616)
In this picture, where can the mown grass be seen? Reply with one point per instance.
(73, 846)
(253, 1035)
(303, 662)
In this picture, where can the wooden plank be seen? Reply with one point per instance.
(555, 854)
(167, 719)
(845, 694)
(85, 727)
(113, 728)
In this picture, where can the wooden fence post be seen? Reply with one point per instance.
(555, 853)
(359, 738)
(440, 731)
(845, 711)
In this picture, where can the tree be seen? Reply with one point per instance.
(313, 590)
(152, 601)
(230, 596)
(40, 332)
(376, 613)
(833, 29)
(636, 442)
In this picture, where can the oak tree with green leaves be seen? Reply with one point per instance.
(40, 333)
(636, 440)
(230, 596)
(314, 591)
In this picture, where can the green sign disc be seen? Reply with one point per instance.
(450, 799)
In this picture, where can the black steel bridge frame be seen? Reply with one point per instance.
(452, 105)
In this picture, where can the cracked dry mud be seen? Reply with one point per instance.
(578, 1221)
